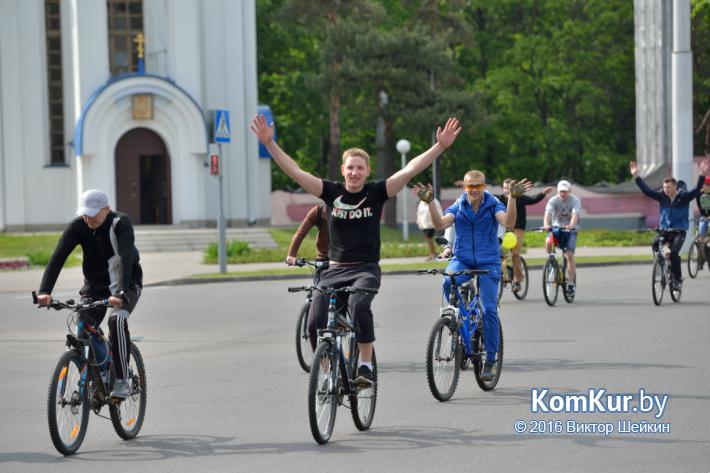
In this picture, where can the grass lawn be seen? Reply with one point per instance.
(38, 248)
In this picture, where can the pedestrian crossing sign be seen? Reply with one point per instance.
(219, 126)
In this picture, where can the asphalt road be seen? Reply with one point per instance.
(226, 392)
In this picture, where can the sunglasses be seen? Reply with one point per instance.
(470, 187)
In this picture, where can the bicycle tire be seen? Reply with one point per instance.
(549, 282)
(323, 401)
(127, 416)
(693, 261)
(363, 403)
(68, 423)
(478, 361)
(658, 282)
(520, 295)
(436, 371)
(304, 351)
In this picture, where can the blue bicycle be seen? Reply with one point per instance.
(456, 339)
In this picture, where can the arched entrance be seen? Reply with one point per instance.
(143, 188)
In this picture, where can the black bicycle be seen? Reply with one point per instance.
(456, 339)
(662, 275)
(554, 274)
(698, 256)
(334, 368)
(304, 352)
(83, 379)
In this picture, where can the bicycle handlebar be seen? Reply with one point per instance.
(331, 291)
(300, 262)
(70, 304)
(555, 227)
(659, 230)
(469, 272)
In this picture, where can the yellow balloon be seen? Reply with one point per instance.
(509, 241)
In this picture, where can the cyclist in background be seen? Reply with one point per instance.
(317, 217)
(111, 270)
(562, 212)
(673, 221)
(703, 201)
(476, 215)
(519, 227)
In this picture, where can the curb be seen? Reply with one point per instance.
(186, 281)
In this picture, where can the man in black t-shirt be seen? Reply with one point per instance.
(519, 228)
(355, 208)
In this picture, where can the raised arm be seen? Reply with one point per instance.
(517, 189)
(265, 134)
(426, 195)
(634, 169)
(444, 139)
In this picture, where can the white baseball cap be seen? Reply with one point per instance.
(564, 186)
(92, 201)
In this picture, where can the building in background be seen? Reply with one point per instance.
(113, 94)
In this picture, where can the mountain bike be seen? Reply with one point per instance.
(304, 351)
(334, 368)
(506, 276)
(662, 275)
(456, 339)
(82, 381)
(698, 256)
(554, 274)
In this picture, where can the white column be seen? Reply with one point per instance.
(682, 100)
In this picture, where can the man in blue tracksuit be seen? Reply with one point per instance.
(476, 215)
(674, 215)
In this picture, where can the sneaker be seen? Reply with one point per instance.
(121, 389)
(676, 285)
(490, 369)
(364, 377)
(516, 287)
(570, 289)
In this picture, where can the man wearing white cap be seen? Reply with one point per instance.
(562, 212)
(111, 270)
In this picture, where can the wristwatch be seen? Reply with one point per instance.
(122, 295)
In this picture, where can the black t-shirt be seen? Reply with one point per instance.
(521, 202)
(354, 223)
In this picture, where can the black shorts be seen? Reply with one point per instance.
(428, 232)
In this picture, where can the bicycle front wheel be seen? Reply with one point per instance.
(323, 392)
(693, 264)
(658, 282)
(127, 416)
(443, 355)
(304, 351)
(362, 404)
(520, 295)
(549, 282)
(68, 403)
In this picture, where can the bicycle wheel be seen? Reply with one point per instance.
(549, 282)
(658, 282)
(362, 404)
(520, 295)
(675, 291)
(304, 351)
(68, 404)
(479, 359)
(443, 356)
(127, 416)
(323, 392)
(693, 263)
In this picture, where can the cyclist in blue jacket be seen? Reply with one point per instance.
(673, 220)
(476, 215)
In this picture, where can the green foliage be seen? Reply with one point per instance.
(235, 249)
(37, 248)
(544, 88)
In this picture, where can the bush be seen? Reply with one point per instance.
(236, 249)
(39, 257)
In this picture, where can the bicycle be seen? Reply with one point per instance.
(304, 352)
(81, 382)
(554, 275)
(661, 275)
(334, 368)
(456, 339)
(506, 276)
(698, 255)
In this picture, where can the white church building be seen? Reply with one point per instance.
(114, 95)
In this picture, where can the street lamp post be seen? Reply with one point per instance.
(403, 146)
